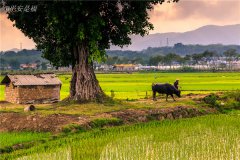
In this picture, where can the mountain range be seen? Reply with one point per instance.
(210, 34)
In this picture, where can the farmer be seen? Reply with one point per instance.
(176, 83)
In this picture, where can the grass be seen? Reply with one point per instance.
(206, 137)
(11, 138)
(90, 109)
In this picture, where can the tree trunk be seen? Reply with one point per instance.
(84, 84)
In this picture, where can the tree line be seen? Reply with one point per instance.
(15, 59)
(204, 58)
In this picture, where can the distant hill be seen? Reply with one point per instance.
(210, 34)
(178, 48)
(23, 56)
(14, 50)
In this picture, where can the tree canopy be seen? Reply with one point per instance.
(57, 27)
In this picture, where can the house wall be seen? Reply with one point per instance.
(11, 93)
(38, 94)
(124, 68)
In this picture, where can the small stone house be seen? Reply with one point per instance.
(26, 89)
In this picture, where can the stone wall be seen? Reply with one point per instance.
(39, 94)
(11, 93)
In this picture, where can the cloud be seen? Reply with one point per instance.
(216, 10)
(191, 14)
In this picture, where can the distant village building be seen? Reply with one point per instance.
(25, 89)
(7, 67)
(147, 68)
(124, 67)
(236, 64)
(65, 69)
(104, 67)
(28, 66)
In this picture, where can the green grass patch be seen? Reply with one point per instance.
(90, 109)
(11, 138)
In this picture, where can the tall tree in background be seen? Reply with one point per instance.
(196, 59)
(170, 58)
(210, 56)
(156, 60)
(78, 32)
(230, 56)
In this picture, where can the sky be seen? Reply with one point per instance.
(186, 15)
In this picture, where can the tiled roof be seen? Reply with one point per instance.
(24, 80)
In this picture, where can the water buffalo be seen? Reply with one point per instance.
(166, 88)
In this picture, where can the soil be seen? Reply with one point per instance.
(34, 122)
(55, 122)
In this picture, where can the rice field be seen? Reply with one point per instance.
(138, 85)
(203, 138)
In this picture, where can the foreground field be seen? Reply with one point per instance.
(138, 85)
(207, 137)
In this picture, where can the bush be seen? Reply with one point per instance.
(72, 128)
(235, 105)
(232, 95)
(227, 101)
(101, 122)
(211, 99)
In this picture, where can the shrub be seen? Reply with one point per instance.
(211, 99)
(232, 95)
(72, 128)
(101, 122)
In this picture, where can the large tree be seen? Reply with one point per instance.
(78, 32)
(230, 55)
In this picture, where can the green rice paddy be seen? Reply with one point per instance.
(9, 139)
(203, 138)
(138, 85)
